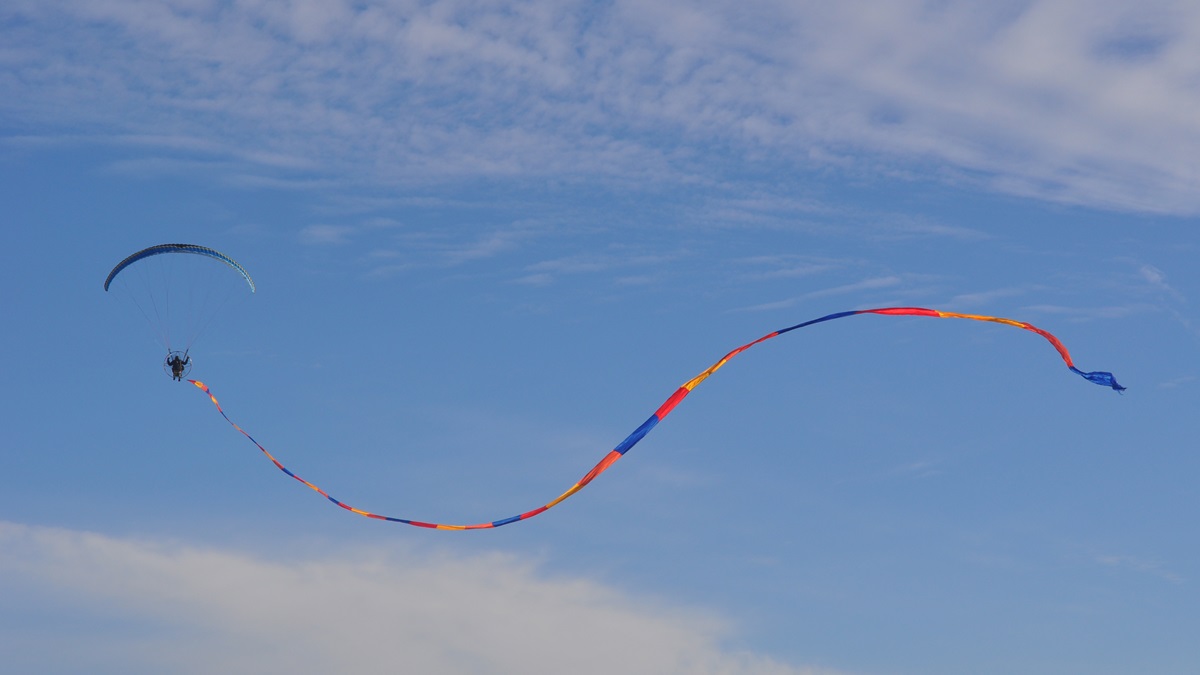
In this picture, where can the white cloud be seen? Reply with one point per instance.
(383, 610)
(1060, 99)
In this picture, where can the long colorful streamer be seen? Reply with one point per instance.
(1098, 377)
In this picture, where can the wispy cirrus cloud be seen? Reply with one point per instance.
(384, 610)
(869, 284)
(547, 271)
(1142, 565)
(988, 297)
(325, 234)
(1094, 313)
(402, 248)
(1157, 279)
(1058, 99)
(790, 266)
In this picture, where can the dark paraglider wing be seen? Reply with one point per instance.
(178, 248)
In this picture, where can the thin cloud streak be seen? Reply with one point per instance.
(988, 298)
(1093, 313)
(325, 234)
(1139, 565)
(871, 284)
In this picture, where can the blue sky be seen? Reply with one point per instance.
(491, 238)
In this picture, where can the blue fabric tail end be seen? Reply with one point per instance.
(1100, 377)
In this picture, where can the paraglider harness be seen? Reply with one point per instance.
(178, 364)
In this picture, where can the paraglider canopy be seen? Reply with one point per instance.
(178, 248)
